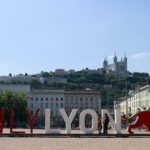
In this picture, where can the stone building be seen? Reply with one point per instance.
(43, 99)
(117, 68)
(137, 100)
(50, 80)
(59, 99)
(82, 100)
(55, 100)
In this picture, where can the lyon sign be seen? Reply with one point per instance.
(142, 119)
(116, 125)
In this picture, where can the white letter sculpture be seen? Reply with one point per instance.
(69, 120)
(47, 124)
(94, 121)
(117, 124)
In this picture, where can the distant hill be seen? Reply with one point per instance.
(110, 86)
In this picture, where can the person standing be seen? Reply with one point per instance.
(99, 127)
(106, 123)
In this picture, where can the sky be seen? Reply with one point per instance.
(43, 35)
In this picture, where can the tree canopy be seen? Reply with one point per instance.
(14, 100)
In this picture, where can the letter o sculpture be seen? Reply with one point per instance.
(94, 121)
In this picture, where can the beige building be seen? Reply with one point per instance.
(52, 80)
(56, 99)
(137, 100)
(43, 99)
(82, 100)
(59, 99)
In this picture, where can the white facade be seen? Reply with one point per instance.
(83, 100)
(43, 99)
(52, 80)
(137, 100)
(59, 99)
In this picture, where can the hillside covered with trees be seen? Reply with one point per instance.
(111, 87)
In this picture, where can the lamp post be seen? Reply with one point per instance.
(126, 96)
(107, 86)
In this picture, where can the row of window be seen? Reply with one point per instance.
(81, 104)
(77, 99)
(81, 108)
(47, 105)
(136, 104)
(139, 95)
(46, 99)
(61, 99)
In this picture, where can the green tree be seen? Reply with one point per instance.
(14, 100)
(35, 84)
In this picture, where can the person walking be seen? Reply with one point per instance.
(106, 123)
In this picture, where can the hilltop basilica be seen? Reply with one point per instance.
(117, 68)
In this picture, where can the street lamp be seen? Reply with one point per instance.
(107, 86)
(127, 113)
(126, 94)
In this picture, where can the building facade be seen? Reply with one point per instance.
(52, 80)
(56, 99)
(60, 72)
(137, 100)
(117, 68)
(59, 99)
(44, 99)
(82, 100)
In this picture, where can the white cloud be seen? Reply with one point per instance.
(141, 55)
